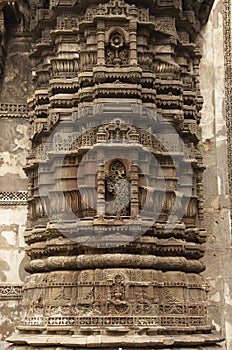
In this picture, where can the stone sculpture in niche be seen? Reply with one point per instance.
(117, 187)
(116, 52)
(103, 74)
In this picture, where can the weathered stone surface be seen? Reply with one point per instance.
(215, 146)
(15, 75)
(13, 155)
(88, 57)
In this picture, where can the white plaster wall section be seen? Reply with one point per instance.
(219, 73)
(221, 160)
(12, 226)
(16, 215)
(13, 163)
(10, 261)
(10, 237)
(213, 123)
(207, 83)
(21, 143)
(216, 297)
(228, 298)
(214, 141)
(6, 322)
(217, 326)
(228, 325)
(228, 341)
(212, 75)
(212, 72)
(219, 96)
(10, 164)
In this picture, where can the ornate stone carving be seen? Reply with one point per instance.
(13, 198)
(118, 187)
(13, 110)
(115, 241)
(116, 53)
(10, 292)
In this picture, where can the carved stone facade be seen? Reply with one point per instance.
(115, 227)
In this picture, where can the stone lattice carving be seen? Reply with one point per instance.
(14, 110)
(105, 75)
(13, 198)
(10, 292)
(118, 188)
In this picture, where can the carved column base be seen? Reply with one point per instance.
(114, 308)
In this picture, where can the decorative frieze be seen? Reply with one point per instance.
(13, 198)
(10, 292)
(13, 110)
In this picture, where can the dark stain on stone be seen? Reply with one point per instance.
(12, 183)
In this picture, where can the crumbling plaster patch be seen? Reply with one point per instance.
(12, 225)
(13, 160)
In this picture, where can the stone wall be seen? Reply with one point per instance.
(216, 187)
(13, 213)
(13, 181)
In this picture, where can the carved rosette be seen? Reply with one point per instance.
(147, 289)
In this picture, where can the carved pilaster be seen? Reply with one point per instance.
(101, 42)
(133, 42)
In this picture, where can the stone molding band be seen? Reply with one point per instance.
(13, 198)
(125, 340)
(10, 292)
(119, 260)
(13, 110)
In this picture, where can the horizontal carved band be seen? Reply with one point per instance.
(13, 198)
(15, 110)
(119, 260)
(98, 321)
(45, 341)
(10, 292)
